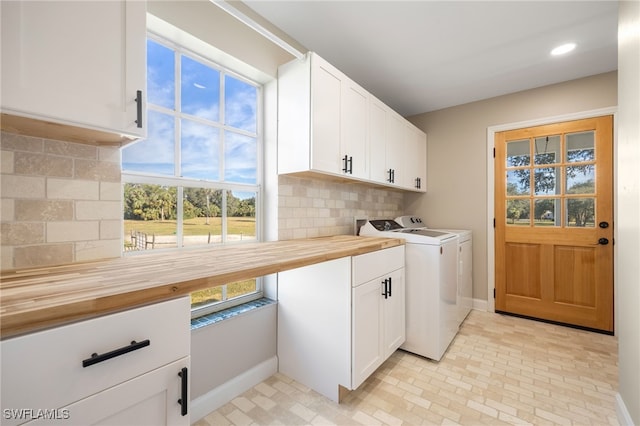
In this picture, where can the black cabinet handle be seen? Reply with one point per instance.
(350, 165)
(139, 107)
(392, 176)
(385, 293)
(418, 183)
(389, 286)
(95, 358)
(184, 398)
(345, 168)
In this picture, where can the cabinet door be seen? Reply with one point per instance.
(150, 399)
(396, 152)
(325, 116)
(367, 330)
(77, 63)
(353, 136)
(377, 140)
(416, 159)
(394, 314)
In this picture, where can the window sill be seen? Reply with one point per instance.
(225, 314)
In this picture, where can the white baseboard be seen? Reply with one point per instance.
(480, 305)
(623, 414)
(224, 393)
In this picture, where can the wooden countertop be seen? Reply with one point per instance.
(39, 298)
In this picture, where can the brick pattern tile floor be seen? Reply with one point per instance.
(498, 370)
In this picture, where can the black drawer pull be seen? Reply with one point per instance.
(184, 398)
(95, 358)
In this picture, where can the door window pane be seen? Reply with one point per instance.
(160, 75)
(518, 182)
(156, 153)
(518, 153)
(547, 150)
(580, 146)
(545, 181)
(240, 104)
(547, 212)
(200, 151)
(580, 212)
(200, 87)
(518, 212)
(580, 179)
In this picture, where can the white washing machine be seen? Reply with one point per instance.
(431, 285)
(465, 262)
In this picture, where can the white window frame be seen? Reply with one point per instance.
(180, 183)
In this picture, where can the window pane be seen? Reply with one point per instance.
(200, 151)
(241, 288)
(200, 87)
(581, 212)
(518, 182)
(518, 153)
(241, 100)
(241, 216)
(156, 153)
(546, 212)
(202, 213)
(545, 181)
(205, 297)
(240, 158)
(518, 212)
(580, 179)
(160, 75)
(150, 213)
(580, 147)
(547, 150)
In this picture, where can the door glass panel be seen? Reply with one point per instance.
(580, 212)
(580, 146)
(518, 182)
(581, 179)
(545, 181)
(546, 212)
(518, 212)
(518, 153)
(547, 150)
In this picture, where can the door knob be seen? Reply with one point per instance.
(603, 241)
(603, 225)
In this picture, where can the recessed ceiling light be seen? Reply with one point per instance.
(562, 49)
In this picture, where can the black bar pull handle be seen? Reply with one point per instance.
(95, 358)
(139, 107)
(350, 165)
(389, 286)
(418, 183)
(184, 398)
(386, 291)
(345, 168)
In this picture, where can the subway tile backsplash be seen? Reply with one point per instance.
(309, 207)
(61, 202)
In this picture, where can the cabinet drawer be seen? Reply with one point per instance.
(371, 265)
(44, 370)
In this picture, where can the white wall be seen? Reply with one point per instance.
(628, 213)
(457, 154)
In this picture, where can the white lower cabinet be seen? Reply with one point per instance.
(335, 325)
(126, 368)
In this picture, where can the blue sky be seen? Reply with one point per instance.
(200, 87)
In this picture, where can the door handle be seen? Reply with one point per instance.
(603, 241)
(184, 391)
(603, 225)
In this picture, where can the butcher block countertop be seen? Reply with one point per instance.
(39, 298)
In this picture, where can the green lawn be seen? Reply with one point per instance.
(196, 226)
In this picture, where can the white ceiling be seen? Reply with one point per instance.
(420, 56)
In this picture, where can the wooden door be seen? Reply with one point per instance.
(554, 222)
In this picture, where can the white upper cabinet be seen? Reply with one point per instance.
(328, 124)
(415, 172)
(76, 63)
(322, 120)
